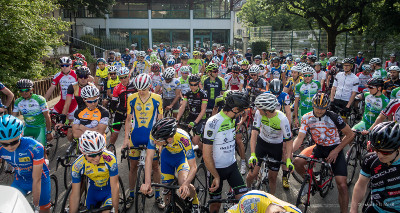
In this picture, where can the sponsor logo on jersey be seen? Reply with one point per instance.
(107, 158)
(24, 159)
(209, 133)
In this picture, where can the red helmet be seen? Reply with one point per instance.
(329, 53)
(176, 51)
(322, 54)
(155, 67)
(149, 50)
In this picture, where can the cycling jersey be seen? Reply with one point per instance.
(64, 81)
(254, 88)
(162, 53)
(213, 89)
(324, 130)
(393, 109)
(169, 88)
(177, 67)
(220, 132)
(112, 83)
(121, 93)
(283, 100)
(373, 107)
(126, 58)
(395, 93)
(380, 73)
(388, 64)
(155, 81)
(184, 85)
(233, 83)
(91, 118)
(195, 100)
(182, 143)
(319, 76)
(74, 90)
(291, 82)
(118, 64)
(222, 70)
(231, 61)
(144, 116)
(276, 72)
(305, 92)
(102, 73)
(196, 65)
(32, 109)
(384, 182)
(99, 175)
(390, 85)
(358, 60)
(141, 67)
(324, 62)
(345, 84)
(273, 130)
(257, 201)
(363, 79)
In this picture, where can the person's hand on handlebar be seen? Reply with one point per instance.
(365, 132)
(146, 189)
(253, 160)
(184, 191)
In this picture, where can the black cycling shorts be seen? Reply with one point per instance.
(273, 151)
(234, 178)
(339, 167)
(339, 107)
(119, 117)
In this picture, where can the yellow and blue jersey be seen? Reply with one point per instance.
(102, 73)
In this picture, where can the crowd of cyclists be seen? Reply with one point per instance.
(186, 106)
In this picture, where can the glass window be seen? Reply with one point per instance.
(170, 10)
(172, 38)
(129, 10)
(215, 9)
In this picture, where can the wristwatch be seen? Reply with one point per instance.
(48, 132)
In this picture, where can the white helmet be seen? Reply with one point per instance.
(375, 61)
(123, 71)
(142, 54)
(254, 69)
(185, 69)
(308, 69)
(91, 142)
(169, 73)
(65, 60)
(266, 101)
(395, 68)
(209, 53)
(216, 60)
(117, 54)
(142, 81)
(89, 92)
(112, 69)
(296, 68)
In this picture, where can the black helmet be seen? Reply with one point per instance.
(257, 57)
(360, 53)
(385, 135)
(275, 59)
(24, 84)
(378, 82)
(237, 99)
(164, 128)
(348, 61)
(235, 67)
(276, 87)
(312, 57)
(321, 100)
(83, 71)
(184, 56)
(194, 78)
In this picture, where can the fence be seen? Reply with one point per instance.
(96, 51)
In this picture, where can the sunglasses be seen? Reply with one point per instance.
(112, 73)
(214, 71)
(186, 73)
(83, 76)
(123, 77)
(91, 102)
(383, 152)
(95, 155)
(100, 64)
(309, 75)
(65, 65)
(371, 87)
(25, 90)
(12, 143)
(253, 74)
(194, 85)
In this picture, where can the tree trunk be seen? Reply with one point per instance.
(332, 34)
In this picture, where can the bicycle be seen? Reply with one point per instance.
(355, 154)
(176, 204)
(262, 181)
(308, 141)
(356, 112)
(319, 180)
(228, 201)
(52, 146)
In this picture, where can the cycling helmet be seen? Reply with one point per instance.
(392, 55)
(312, 57)
(149, 50)
(209, 53)
(155, 67)
(164, 128)
(329, 54)
(322, 55)
(113, 69)
(10, 127)
(239, 56)
(276, 86)
(117, 54)
(237, 99)
(318, 63)
(321, 100)
(254, 69)
(142, 54)
(302, 65)
(307, 69)
(360, 53)
(378, 82)
(184, 57)
(333, 59)
(195, 53)
(366, 67)
(176, 51)
(194, 78)
(153, 57)
(77, 64)
(123, 71)
(245, 62)
(266, 101)
(297, 60)
(65, 60)
(257, 57)
(169, 73)
(83, 71)
(171, 62)
(289, 58)
(235, 67)
(81, 56)
(395, 68)
(89, 91)
(211, 67)
(91, 142)
(275, 59)
(296, 68)
(185, 49)
(142, 81)
(101, 60)
(385, 135)
(375, 61)
(24, 84)
(215, 60)
(184, 69)
(348, 61)
(111, 53)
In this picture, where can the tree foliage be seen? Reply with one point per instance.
(27, 33)
(95, 7)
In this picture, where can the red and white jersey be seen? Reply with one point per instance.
(392, 109)
(64, 81)
(177, 68)
(232, 83)
(155, 81)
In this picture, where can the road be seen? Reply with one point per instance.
(318, 204)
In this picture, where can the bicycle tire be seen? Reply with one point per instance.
(262, 179)
(326, 173)
(180, 205)
(65, 203)
(302, 202)
(2, 165)
(201, 184)
(297, 177)
(352, 118)
(122, 196)
(140, 199)
(351, 163)
(54, 193)
(245, 137)
(52, 151)
(67, 177)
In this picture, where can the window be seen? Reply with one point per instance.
(129, 10)
(172, 38)
(215, 9)
(170, 9)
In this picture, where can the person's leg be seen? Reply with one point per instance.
(134, 157)
(343, 193)
(300, 163)
(119, 117)
(272, 176)
(252, 175)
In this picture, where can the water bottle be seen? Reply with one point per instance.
(316, 171)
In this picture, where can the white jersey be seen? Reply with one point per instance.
(273, 130)
(319, 76)
(169, 88)
(345, 85)
(232, 83)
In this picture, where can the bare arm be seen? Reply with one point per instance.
(358, 193)
(181, 109)
(333, 92)
(36, 183)
(115, 191)
(192, 171)
(49, 92)
(68, 100)
(288, 113)
(353, 96)
(9, 95)
(74, 198)
(381, 117)
(296, 108)
(177, 97)
(128, 127)
(209, 160)
(253, 140)
(298, 141)
(149, 165)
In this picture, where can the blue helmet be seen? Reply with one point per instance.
(10, 127)
(171, 62)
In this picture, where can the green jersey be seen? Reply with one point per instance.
(32, 109)
(306, 93)
(324, 62)
(380, 73)
(395, 93)
(196, 64)
(373, 107)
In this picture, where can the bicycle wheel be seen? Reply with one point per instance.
(65, 203)
(245, 136)
(352, 118)
(303, 202)
(54, 193)
(297, 177)
(122, 196)
(140, 199)
(67, 177)
(263, 178)
(201, 184)
(52, 147)
(351, 162)
(2, 165)
(326, 175)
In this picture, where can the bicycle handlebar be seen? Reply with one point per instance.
(165, 186)
(62, 160)
(96, 210)
(311, 159)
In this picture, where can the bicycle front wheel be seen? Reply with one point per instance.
(201, 184)
(140, 199)
(351, 162)
(52, 147)
(303, 201)
(54, 193)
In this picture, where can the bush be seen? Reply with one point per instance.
(259, 46)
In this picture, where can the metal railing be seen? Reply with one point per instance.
(86, 45)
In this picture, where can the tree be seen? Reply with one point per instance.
(27, 32)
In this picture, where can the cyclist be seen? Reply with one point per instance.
(324, 126)
(219, 148)
(256, 84)
(111, 57)
(379, 72)
(304, 92)
(257, 61)
(126, 57)
(359, 59)
(271, 132)
(177, 155)
(10, 96)
(393, 82)
(77, 64)
(171, 91)
(118, 63)
(244, 70)
(391, 112)
(144, 109)
(184, 80)
(120, 100)
(380, 170)
(170, 63)
(26, 156)
(375, 102)
(230, 61)
(213, 85)
(92, 117)
(363, 77)
(332, 71)
(184, 62)
(36, 114)
(261, 202)
(162, 53)
(154, 59)
(323, 60)
(140, 66)
(319, 75)
(196, 63)
(311, 59)
(276, 71)
(293, 81)
(234, 80)
(100, 167)
(101, 73)
(391, 62)
(111, 83)
(196, 101)
(264, 59)
(176, 53)
(155, 76)
(344, 89)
